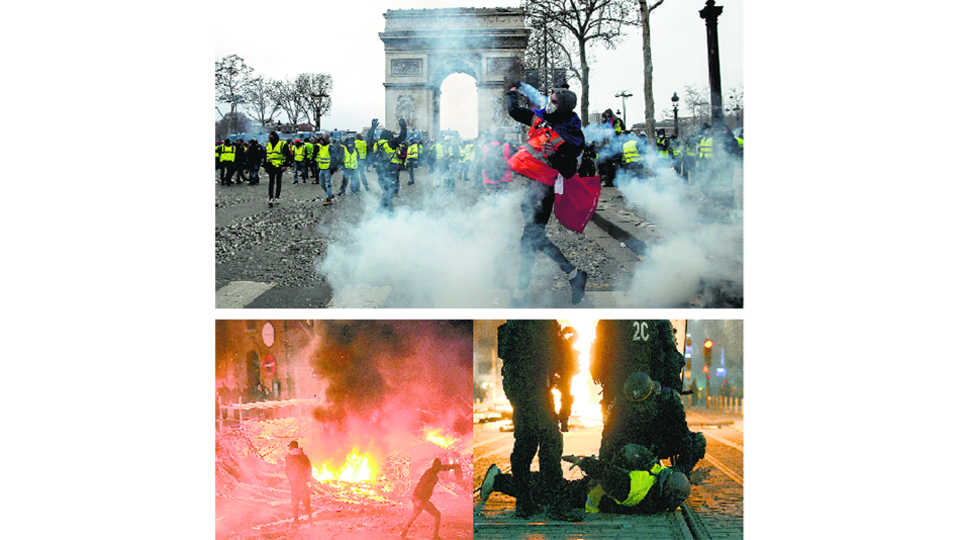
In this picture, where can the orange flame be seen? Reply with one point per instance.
(357, 468)
(586, 401)
(435, 436)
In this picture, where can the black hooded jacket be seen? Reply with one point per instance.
(564, 121)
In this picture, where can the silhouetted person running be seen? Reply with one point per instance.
(422, 493)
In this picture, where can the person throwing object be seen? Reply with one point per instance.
(422, 493)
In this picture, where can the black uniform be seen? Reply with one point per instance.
(622, 348)
(616, 483)
(531, 351)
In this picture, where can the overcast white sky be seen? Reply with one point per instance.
(342, 40)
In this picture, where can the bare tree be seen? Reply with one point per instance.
(545, 53)
(287, 99)
(586, 22)
(314, 91)
(260, 102)
(231, 80)
(697, 101)
(645, 9)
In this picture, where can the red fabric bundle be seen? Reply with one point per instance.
(576, 205)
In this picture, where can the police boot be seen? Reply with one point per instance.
(526, 507)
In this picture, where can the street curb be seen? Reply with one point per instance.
(609, 217)
(694, 524)
(636, 245)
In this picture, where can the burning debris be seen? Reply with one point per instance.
(391, 399)
(253, 496)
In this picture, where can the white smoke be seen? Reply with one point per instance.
(536, 98)
(689, 250)
(437, 254)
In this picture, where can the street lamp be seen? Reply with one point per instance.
(735, 109)
(710, 12)
(676, 123)
(624, 94)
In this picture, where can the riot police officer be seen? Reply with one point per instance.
(652, 416)
(624, 347)
(531, 353)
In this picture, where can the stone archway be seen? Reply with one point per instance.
(422, 47)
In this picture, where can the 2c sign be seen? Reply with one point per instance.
(641, 331)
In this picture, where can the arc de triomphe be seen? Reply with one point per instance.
(422, 47)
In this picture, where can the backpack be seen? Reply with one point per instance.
(494, 163)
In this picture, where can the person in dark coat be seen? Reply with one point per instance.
(422, 493)
(532, 367)
(255, 156)
(299, 472)
(560, 155)
(652, 416)
(387, 160)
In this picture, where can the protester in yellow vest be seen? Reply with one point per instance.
(361, 159)
(277, 154)
(389, 172)
(299, 161)
(310, 157)
(634, 483)
(351, 161)
(228, 159)
(413, 158)
(324, 176)
(634, 153)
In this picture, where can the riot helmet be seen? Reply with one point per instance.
(674, 487)
(639, 387)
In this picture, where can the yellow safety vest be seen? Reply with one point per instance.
(349, 160)
(385, 145)
(413, 151)
(299, 152)
(275, 153)
(228, 153)
(361, 148)
(706, 147)
(323, 156)
(630, 152)
(640, 484)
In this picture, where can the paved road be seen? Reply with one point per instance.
(715, 504)
(274, 257)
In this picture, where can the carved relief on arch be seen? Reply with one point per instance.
(406, 67)
(407, 109)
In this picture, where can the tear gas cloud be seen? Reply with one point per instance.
(384, 381)
(441, 250)
(689, 250)
(436, 254)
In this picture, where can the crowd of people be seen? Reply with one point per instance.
(554, 150)
(319, 158)
(644, 422)
(700, 153)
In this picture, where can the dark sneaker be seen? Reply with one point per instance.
(486, 488)
(578, 286)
